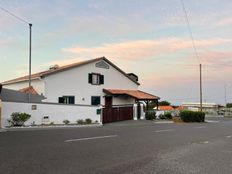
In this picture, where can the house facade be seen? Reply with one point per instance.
(93, 82)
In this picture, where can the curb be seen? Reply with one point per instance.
(3, 130)
(163, 122)
(49, 127)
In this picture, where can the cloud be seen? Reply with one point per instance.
(217, 58)
(142, 49)
(227, 21)
(63, 62)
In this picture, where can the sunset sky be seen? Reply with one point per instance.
(147, 37)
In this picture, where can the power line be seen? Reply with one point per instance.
(190, 31)
(15, 16)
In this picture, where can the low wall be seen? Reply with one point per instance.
(45, 113)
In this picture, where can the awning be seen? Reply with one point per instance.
(137, 94)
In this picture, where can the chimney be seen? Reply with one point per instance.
(54, 67)
(133, 76)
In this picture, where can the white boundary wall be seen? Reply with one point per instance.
(56, 112)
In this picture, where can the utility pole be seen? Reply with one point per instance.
(225, 94)
(29, 94)
(200, 89)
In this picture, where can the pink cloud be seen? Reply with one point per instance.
(224, 22)
(141, 49)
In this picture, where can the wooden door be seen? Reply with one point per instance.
(108, 101)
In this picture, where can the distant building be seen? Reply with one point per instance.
(165, 109)
(208, 108)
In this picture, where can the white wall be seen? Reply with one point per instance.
(37, 84)
(74, 82)
(123, 100)
(56, 112)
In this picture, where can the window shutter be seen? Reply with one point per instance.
(61, 99)
(90, 78)
(101, 79)
(71, 100)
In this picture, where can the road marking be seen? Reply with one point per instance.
(205, 142)
(90, 138)
(229, 136)
(199, 127)
(166, 130)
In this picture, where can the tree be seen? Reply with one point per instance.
(229, 105)
(164, 103)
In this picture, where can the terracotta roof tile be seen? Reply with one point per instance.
(166, 108)
(137, 94)
(180, 108)
(29, 90)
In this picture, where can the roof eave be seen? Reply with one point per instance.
(17, 81)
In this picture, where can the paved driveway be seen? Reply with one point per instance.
(123, 147)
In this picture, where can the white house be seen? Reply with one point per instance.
(92, 82)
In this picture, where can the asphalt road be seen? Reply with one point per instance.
(124, 147)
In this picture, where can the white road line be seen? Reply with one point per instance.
(199, 127)
(165, 130)
(205, 142)
(229, 136)
(90, 138)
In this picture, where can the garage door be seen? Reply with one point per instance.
(117, 113)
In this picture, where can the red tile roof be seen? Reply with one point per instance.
(137, 94)
(180, 108)
(166, 108)
(29, 90)
(63, 68)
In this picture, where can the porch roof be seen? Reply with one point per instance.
(137, 94)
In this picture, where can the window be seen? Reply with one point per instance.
(67, 99)
(96, 79)
(95, 100)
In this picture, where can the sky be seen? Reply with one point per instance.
(149, 38)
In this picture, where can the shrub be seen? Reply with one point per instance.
(66, 121)
(52, 123)
(88, 121)
(80, 121)
(150, 115)
(18, 119)
(161, 116)
(192, 116)
(168, 115)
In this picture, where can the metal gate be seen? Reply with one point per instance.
(117, 113)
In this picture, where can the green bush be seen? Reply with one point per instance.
(192, 116)
(66, 121)
(88, 121)
(150, 115)
(161, 116)
(168, 115)
(18, 119)
(80, 121)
